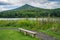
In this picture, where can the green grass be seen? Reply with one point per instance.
(50, 28)
(14, 35)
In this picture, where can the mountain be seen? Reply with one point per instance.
(26, 6)
(29, 11)
(30, 8)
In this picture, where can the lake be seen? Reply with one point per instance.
(51, 19)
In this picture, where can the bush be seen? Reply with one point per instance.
(33, 25)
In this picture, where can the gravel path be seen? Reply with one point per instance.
(40, 35)
(44, 36)
(8, 28)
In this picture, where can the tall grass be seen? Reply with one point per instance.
(32, 25)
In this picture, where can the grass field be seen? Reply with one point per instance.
(50, 28)
(14, 35)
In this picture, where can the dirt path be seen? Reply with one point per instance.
(40, 35)
(8, 28)
(43, 36)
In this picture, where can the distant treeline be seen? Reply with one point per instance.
(30, 13)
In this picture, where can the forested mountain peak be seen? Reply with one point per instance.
(30, 11)
(26, 6)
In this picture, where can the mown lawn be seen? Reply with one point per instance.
(14, 35)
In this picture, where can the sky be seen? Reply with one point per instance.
(11, 4)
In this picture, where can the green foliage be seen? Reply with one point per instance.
(33, 25)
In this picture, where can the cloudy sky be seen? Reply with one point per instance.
(11, 4)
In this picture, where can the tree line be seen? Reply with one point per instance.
(30, 13)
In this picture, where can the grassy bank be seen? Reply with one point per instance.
(32, 25)
(14, 35)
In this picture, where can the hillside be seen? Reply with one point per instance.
(29, 11)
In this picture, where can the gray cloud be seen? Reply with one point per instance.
(48, 4)
(4, 3)
(45, 4)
